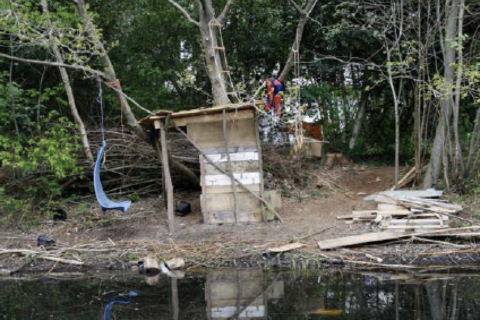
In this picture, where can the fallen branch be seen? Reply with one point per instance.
(440, 242)
(43, 255)
(312, 234)
(382, 265)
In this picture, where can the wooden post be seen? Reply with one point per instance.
(229, 164)
(175, 304)
(167, 177)
(260, 164)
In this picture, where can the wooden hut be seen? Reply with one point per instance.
(228, 135)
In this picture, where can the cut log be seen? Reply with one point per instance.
(151, 265)
(175, 263)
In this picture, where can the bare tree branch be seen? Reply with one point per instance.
(226, 10)
(300, 10)
(182, 9)
(298, 36)
(54, 64)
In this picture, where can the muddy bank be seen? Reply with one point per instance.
(93, 240)
(216, 255)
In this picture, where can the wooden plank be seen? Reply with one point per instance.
(400, 212)
(208, 151)
(237, 167)
(406, 178)
(224, 180)
(430, 205)
(388, 207)
(386, 199)
(239, 156)
(357, 239)
(396, 194)
(414, 227)
(429, 215)
(372, 214)
(231, 116)
(229, 165)
(241, 133)
(390, 222)
(227, 217)
(167, 178)
(226, 202)
(227, 189)
(218, 109)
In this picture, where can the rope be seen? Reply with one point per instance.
(100, 102)
(115, 84)
(298, 114)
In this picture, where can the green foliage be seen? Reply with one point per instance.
(37, 149)
(134, 197)
(315, 194)
(53, 152)
(133, 257)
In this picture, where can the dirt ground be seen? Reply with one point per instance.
(143, 230)
(146, 218)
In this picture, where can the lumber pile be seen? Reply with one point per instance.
(406, 211)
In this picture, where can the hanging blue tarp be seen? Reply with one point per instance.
(102, 198)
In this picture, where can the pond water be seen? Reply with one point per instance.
(243, 294)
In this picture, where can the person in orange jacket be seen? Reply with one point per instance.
(275, 89)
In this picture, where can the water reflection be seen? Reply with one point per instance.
(117, 299)
(240, 294)
(247, 294)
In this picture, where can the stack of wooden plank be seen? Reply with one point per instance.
(404, 211)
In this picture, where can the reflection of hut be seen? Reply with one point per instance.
(228, 136)
(239, 294)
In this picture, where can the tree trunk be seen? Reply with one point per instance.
(167, 178)
(357, 125)
(473, 145)
(213, 63)
(304, 13)
(209, 27)
(396, 104)
(110, 72)
(68, 87)
(111, 76)
(417, 130)
(12, 94)
(459, 165)
(435, 165)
